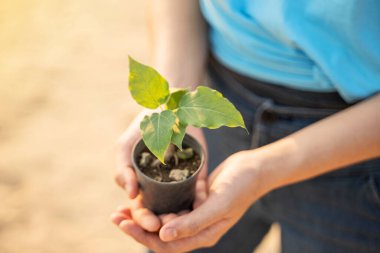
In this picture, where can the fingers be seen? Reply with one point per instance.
(197, 133)
(214, 174)
(144, 217)
(150, 240)
(210, 212)
(125, 213)
(125, 176)
(116, 218)
(131, 228)
(200, 193)
(126, 179)
(206, 238)
(165, 218)
(203, 173)
(121, 214)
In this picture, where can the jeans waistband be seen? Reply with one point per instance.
(292, 101)
(281, 94)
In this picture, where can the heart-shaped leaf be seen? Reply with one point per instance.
(206, 107)
(157, 131)
(146, 85)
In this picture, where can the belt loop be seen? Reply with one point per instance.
(257, 121)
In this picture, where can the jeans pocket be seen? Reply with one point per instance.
(356, 190)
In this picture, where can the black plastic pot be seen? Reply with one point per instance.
(167, 197)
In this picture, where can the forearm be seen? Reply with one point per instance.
(178, 41)
(348, 137)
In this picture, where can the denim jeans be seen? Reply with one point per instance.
(335, 212)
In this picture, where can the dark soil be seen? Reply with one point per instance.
(183, 168)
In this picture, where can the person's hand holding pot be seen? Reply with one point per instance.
(126, 178)
(232, 188)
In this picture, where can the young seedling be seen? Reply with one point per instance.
(179, 108)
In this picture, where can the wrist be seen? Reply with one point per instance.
(252, 180)
(277, 164)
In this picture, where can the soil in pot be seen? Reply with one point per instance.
(180, 164)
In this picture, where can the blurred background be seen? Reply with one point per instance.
(64, 101)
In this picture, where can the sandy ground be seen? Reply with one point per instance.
(63, 102)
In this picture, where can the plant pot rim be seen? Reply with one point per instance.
(202, 156)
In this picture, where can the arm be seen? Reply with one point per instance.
(337, 141)
(178, 45)
(348, 137)
(178, 41)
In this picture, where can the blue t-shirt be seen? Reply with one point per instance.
(313, 45)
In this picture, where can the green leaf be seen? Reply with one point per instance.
(206, 107)
(174, 99)
(146, 85)
(157, 131)
(179, 131)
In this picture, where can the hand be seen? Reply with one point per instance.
(126, 177)
(233, 187)
(148, 221)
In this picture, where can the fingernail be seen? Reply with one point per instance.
(123, 223)
(170, 233)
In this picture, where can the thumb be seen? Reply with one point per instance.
(126, 179)
(192, 223)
